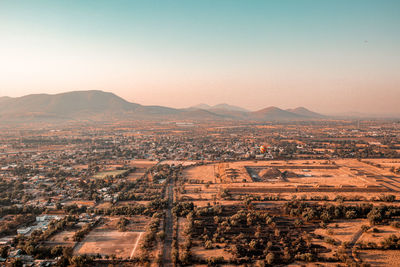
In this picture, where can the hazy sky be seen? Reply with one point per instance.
(330, 56)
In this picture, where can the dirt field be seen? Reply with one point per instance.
(386, 163)
(136, 175)
(384, 231)
(108, 242)
(81, 203)
(204, 173)
(102, 175)
(65, 238)
(381, 258)
(207, 253)
(141, 168)
(104, 205)
(142, 163)
(343, 231)
(178, 162)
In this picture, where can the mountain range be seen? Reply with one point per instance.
(97, 105)
(222, 106)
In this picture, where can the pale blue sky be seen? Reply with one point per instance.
(330, 56)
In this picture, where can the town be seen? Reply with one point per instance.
(157, 193)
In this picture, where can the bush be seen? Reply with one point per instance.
(395, 224)
(270, 258)
(364, 228)
(208, 244)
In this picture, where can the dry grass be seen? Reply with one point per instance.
(345, 230)
(108, 242)
(384, 231)
(64, 238)
(381, 258)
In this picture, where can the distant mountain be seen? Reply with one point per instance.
(71, 105)
(4, 99)
(201, 106)
(229, 107)
(88, 105)
(306, 113)
(222, 106)
(275, 114)
(103, 106)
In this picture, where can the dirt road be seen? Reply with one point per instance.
(168, 227)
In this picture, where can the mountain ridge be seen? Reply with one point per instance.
(306, 112)
(274, 113)
(223, 106)
(96, 105)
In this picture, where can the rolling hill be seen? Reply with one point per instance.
(306, 112)
(275, 114)
(66, 104)
(104, 106)
(88, 105)
(222, 106)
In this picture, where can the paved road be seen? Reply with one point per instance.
(168, 227)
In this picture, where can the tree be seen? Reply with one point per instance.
(364, 228)
(4, 252)
(208, 244)
(17, 263)
(351, 214)
(270, 258)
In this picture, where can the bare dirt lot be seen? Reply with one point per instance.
(107, 240)
(141, 167)
(342, 231)
(380, 258)
(385, 163)
(142, 163)
(204, 173)
(64, 238)
(381, 232)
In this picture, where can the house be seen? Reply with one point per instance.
(24, 231)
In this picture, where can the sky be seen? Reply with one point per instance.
(330, 56)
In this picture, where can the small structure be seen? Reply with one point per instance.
(24, 231)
